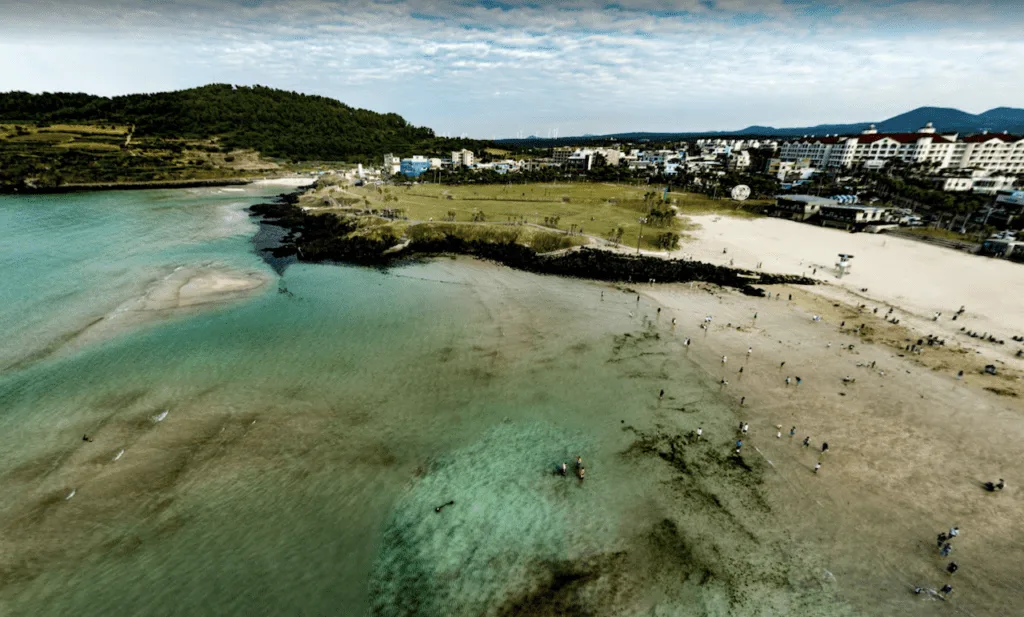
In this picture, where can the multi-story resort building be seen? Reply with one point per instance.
(987, 151)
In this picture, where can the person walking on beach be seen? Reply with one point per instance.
(686, 343)
(787, 380)
(700, 432)
(750, 350)
(807, 441)
(782, 365)
(746, 427)
(941, 539)
(799, 381)
(946, 549)
(724, 359)
(661, 395)
(792, 432)
(960, 375)
(952, 568)
(954, 532)
(817, 466)
(739, 445)
(824, 447)
(778, 435)
(946, 590)
(743, 401)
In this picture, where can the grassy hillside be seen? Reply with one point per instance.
(61, 154)
(171, 131)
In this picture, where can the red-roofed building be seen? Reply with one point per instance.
(872, 149)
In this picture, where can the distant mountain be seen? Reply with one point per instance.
(945, 120)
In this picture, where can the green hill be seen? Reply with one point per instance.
(185, 129)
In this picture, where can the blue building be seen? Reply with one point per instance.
(414, 167)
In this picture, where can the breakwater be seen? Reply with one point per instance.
(319, 238)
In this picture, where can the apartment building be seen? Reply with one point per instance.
(872, 149)
(462, 158)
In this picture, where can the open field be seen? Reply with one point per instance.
(596, 207)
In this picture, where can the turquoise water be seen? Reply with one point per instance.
(309, 437)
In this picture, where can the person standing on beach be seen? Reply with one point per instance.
(782, 364)
(750, 350)
(947, 548)
(799, 381)
(743, 400)
(954, 532)
(700, 432)
(739, 445)
(787, 380)
(824, 447)
(941, 539)
(952, 568)
(724, 359)
(792, 432)
(746, 427)
(661, 395)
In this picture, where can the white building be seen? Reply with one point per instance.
(462, 158)
(739, 160)
(392, 164)
(872, 149)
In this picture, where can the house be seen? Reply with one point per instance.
(852, 216)
(799, 207)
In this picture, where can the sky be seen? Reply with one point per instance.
(517, 68)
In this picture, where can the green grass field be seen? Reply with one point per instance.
(597, 208)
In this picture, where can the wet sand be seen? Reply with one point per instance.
(184, 291)
(910, 446)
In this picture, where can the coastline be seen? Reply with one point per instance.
(318, 238)
(133, 186)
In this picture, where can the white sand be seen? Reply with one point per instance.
(920, 278)
(292, 181)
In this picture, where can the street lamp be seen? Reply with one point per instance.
(641, 235)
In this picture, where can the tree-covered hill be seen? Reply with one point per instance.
(276, 123)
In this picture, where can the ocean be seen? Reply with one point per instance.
(287, 453)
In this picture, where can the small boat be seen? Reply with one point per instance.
(160, 416)
(70, 495)
(119, 455)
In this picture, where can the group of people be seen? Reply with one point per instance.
(563, 469)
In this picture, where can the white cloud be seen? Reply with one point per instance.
(644, 65)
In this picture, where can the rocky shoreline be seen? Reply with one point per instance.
(320, 238)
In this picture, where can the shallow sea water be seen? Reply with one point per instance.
(308, 438)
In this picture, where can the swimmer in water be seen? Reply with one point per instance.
(579, 472)
(562, 469)
(442, 506)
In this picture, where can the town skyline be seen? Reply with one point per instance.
(507, 69)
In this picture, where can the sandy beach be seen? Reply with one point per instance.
(915, 278)
(910, 444)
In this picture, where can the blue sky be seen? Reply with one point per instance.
(502, 68)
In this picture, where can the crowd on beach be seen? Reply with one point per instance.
(744, 434)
